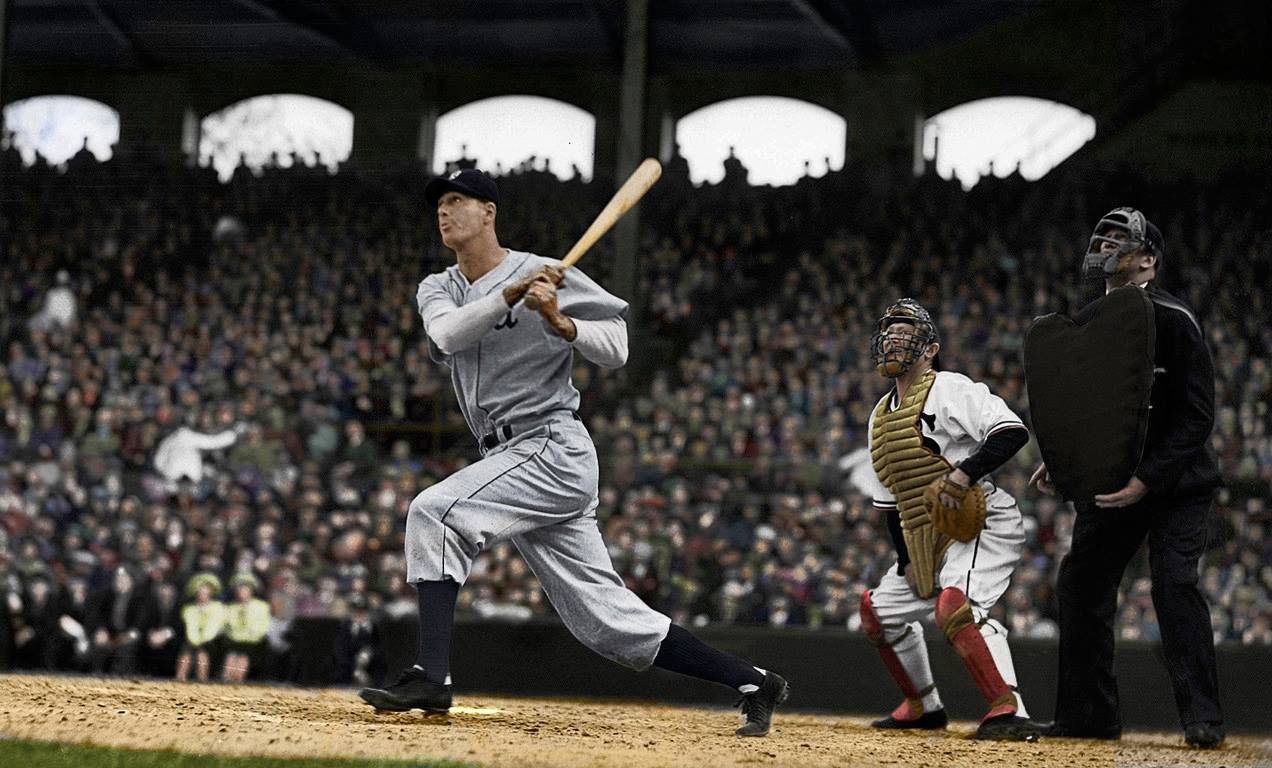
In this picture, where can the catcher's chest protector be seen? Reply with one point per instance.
(1089, 388)
(905, 467)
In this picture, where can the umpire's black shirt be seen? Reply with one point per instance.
(1177, 460)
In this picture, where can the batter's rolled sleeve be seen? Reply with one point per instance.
(603, 342)
(581, 298)
(453, 328)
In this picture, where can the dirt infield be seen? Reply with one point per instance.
(501, 731)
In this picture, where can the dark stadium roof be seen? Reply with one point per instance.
(585, 33)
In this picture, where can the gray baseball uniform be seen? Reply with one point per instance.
(536, 484)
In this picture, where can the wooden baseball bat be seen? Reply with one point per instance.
(627, 195)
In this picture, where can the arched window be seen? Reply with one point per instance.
(996, 135)
(59, 126)
(778, 140)
(505, 132)
(281, 129)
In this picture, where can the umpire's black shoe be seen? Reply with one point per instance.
(1204, 735)
(1009, 727)
(928, 721)
(411, 691)
(758, 706)
(1057, 730)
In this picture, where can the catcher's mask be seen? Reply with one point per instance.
(903, 351)
(1099, 263)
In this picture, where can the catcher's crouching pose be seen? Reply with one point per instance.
(933, 438)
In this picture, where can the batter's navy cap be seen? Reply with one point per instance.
(467, 181)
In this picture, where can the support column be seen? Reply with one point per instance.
(152, 120)
(427, 144)
(880, 110)
(631, 149)
(4, 68)
(389, 129)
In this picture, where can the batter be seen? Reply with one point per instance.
(536, 484)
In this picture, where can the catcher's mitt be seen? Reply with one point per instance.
(962, 522)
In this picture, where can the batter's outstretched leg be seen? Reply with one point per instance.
(762, 691)
(574, 567)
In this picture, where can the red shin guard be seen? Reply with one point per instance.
(912, 707)
(954, 616)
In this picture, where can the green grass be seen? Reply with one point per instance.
(39, 754)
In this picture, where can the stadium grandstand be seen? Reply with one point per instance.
(222, 371)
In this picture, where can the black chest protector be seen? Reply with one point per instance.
(1089, 388)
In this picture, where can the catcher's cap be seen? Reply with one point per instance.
(468, 181)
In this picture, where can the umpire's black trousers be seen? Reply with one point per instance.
(1104, 540)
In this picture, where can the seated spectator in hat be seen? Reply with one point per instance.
(71, 644)
(117, 613)
(163, 629)
(204, 620)
(358, 656)
(246, 627)
(34, 625)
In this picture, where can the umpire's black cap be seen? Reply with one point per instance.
(467, 181)
(1154, 241)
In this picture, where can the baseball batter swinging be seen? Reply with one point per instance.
(935, 437)
(536, 483)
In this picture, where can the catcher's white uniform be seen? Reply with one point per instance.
(958, 416)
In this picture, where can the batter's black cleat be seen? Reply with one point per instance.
(1008, 727)
(928, 721)
(1204, 735)
(411, 691)
(758, 706)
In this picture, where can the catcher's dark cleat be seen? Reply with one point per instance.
(759, 705)
(1204, 735)
(1056, 730)
(928, 721)
(1009, 727)
(411, 691)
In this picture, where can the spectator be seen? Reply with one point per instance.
(179, 455)
(204, 620)
(246, 627)
(163, 628)
(118, 622)
(58, 311)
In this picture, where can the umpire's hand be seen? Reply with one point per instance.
(1042, 479)
(1133, 492)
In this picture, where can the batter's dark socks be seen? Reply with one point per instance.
(682, 652)
(437, 619)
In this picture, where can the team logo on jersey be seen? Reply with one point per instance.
(929, 420)
(508, 322)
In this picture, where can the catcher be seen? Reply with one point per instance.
(935, 437)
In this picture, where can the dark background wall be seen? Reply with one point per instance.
(830, 671)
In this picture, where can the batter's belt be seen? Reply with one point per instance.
(508, 430)
(905, 467)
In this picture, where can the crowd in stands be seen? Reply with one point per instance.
(204, 385)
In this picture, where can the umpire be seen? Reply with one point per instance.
(1167, 500)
